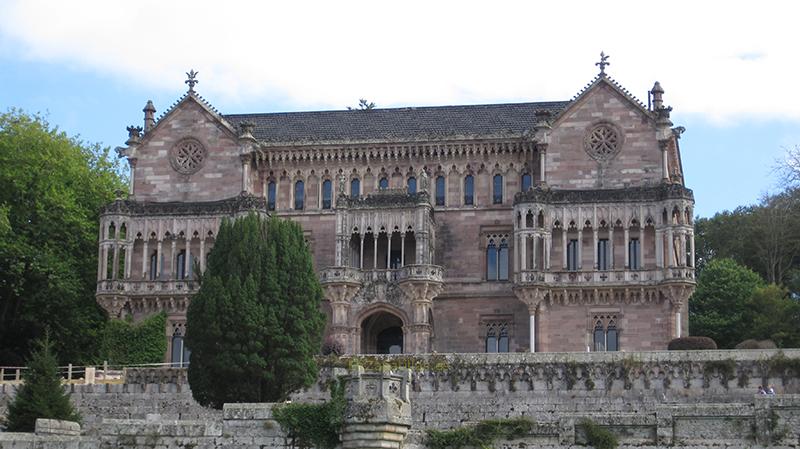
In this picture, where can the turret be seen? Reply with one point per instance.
(149, 116)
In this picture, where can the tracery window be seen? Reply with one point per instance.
(497, 189)
(497, 258)
(412, 185)
(469, 190)
(271, 193)
(355, 188)
(299, 195)
(634, 254)
(153, 272)
(180, 265)
(603, 141)
(180, 353)
(602, 254)
(383, 184)
(440, 190)
(497, 337)
(572, 255)
(187, 156)
(327, 194)
(605, 335)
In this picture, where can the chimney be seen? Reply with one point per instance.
(149, 116)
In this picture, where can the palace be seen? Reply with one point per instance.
(550, 226)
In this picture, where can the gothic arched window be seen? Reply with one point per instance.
(497, 339)
(412, 185)
(327, 194)
(299, 195)
(383, 184)
(491, 261)
(526, 182)
(355, 188)
(440, 190)
(153, 266)
(491, 340)
(180, 353)
(469, 190)
(502, 261)
(271, 195)
(497, 189)
(599, 336)
(612, 337)
(605, 335)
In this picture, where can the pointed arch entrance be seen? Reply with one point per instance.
(382, 332)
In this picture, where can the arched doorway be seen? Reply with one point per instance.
(382, 333)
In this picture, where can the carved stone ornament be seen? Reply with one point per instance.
(603, 141)
(187, 156)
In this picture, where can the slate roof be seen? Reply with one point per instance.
(410, 123)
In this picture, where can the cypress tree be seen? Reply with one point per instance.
(41, 394)
(255, 325)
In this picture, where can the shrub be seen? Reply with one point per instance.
(598, 437)
(116, 347)
(481, 435)
(314, 425)
(756, 344)
(41, 394)
(691, 343)
(332, 347)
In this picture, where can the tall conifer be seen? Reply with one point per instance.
(255, 325)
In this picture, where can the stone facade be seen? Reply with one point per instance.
(553, 226)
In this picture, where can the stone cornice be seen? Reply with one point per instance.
(386, 199)
(231, 206)
(627, 195)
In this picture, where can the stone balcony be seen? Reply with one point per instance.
(604, 278)
(350, 275)
(148, 288)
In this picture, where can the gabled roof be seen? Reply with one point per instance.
(410, 123)
(603, 78)
(195, 97)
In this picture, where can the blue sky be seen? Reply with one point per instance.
(728, 72)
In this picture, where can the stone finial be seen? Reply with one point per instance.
(149, 116)
(603, 63)
(542, 119)
(246, 130)
(658, 96)
(191, 79)
(134, 135)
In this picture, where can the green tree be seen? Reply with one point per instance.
(51, 190)
(41, 395)
(774, 315)
(255, 325)
(720, 306)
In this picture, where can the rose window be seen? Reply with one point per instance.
(188, 156)
(603, 141)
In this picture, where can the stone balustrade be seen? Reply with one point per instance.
(157, 287)
(606, 277)
(417, 272)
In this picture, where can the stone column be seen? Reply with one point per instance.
(420, 294)
(535, 251)
(659, 249)
(145, 260)
(389, 249)
(532, 324)
(128, 260)
(642, 248)
(104, 269)
(594, 249)
(670, 249)
(374, 251)
(580, 249)
(564, 248)
(361, 251)
(664, 161)
(626, 247)
(100, 262)
(202, 255)
(611, 247)
(517, 254)
(547, 244)
(245, 172)
(691, 247)
(187, 257)
(542, 158)
(173, 269)
(158, 259)
(402, 249)
(524, 252)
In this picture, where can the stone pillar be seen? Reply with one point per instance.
(173, 270)
(115, 261)
(187, 257)
(374, 251)
(642, 248)
(611, 247)
(145, 260)
(378, 411)
(548, 241)
(361, 252)
(659, 249)
(132, 163)
(535, 251)
(524, 250)
(542, 158)
(664, 161)
(100, 262)
(158, 259)
(128, 260)
(340, 296)
(517, 254)
(389, 249)
(594, 249)
(532, 324)
(402, 249)
(202, 255)
(420, 294)
(564, 248)
(105, 262)
(626, 246)
(670, 249)
(691, 247)
(580, 249)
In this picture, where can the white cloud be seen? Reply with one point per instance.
(727, 61)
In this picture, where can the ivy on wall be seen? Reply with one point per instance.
(124, 342)
(314, 425)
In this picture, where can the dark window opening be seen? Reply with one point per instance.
(299, 195)
(497, 189)
(271, 195)
(469, 190)
(572, 255)
(412, 185)
(327, 194)
(440, 191)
